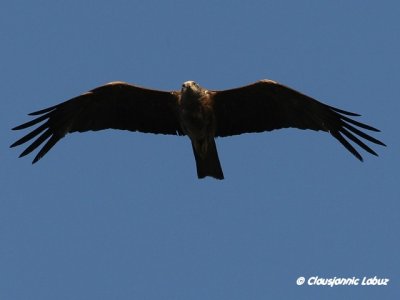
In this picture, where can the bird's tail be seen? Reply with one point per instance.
(207, 161)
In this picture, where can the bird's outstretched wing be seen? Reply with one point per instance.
(116, 105)
(267, 105)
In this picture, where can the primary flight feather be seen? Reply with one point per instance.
(200, 114)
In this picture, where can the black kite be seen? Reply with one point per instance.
(200, 114)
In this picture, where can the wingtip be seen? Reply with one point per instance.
(345, 112)
(358, 156)
(378, 142)
(373, 129)
(19, 127)
(36, 159)
(24, 153)
(17, 143)
(42, 111)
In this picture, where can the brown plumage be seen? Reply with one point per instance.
(200, 114)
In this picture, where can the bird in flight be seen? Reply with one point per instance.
(201, 114)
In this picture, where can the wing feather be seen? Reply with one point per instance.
(45, 135)
(267, 105)
(116, 105)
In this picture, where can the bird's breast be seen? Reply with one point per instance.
(195, 118)
(193, 122)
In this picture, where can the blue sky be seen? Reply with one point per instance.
(119, 215)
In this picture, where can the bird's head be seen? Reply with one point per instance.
(191, 87)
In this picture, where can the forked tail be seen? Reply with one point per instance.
(207, 161)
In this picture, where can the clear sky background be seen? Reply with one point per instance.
(119, 215)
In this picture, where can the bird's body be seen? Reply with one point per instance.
(200, 114)
(197, 121)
